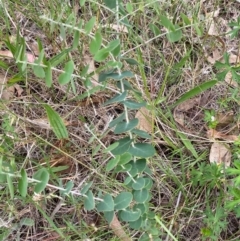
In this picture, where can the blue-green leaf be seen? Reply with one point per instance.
(124, 126)
(131, 61)
(136, 224)
(123, 200)
(107, 204)
(89, 203)
(140, 164)
(117, 98)
(139, 183)
(123, 146)
(68, 188)
(133, 105)
(125, 158)
(117, 120)
(130, 215)
(154, 29)
(142, 150)
(101, 55)
(42, 176)
(110, 148)
(39, 71)
(111, 3)
(114, 75)
(109, 216)
(141, 196)
(86, 187)
(27, 222)
(141, 133)
(112, 163)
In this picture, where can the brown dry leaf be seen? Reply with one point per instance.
(92, 100)
(7, 93)
(34, 48)
(213, 134)
(118, 28)
(44, 123)
(90, 62)
(178, 113)
(230, 81)
(225, 118)
(8, 54)
(234, 59)
(216, 56)
(188, 104)
(213, 28)
(57, 160)
(144, 116)
(220, 154)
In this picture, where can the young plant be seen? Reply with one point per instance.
(210, 118)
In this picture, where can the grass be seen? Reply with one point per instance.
(189, 194)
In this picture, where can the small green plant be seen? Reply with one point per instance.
(215, 222)
(236, 28)
(226, 68)
(210, 118)
(209, 175)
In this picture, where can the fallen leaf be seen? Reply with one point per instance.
(225, 118)
(230, 81)
(188, 104)
(6, 53)
(220, 154)
(178, 113)
(213, 26)
(117, 27)
(215, 56)
(7, 93)
(234, 59)
(213, 134)
(34, 48)
(44, 123)
(91, 68)
(144, 116)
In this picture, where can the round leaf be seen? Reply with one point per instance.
(112, 163)
(125, 126)
(130, 215)
(142, 150)
(123, 200)
(125, 158)
(141, 196)
(107, 204)
(139, 183)
(42, 176)
(89, 202)
(123, 146)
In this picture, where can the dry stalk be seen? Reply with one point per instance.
(118, 230)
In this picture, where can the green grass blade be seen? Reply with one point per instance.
(56, 123)
(195, 91)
